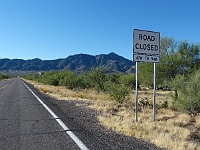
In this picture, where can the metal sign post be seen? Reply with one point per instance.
(136, 93)
(154, 93)
(146, 48)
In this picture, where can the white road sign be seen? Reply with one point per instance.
(146, 42)
(146, 47)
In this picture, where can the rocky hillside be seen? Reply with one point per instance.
(77, 63)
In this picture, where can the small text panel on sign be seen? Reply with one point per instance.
(146, 58)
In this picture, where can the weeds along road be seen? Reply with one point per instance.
(30, 120)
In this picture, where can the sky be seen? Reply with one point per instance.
(52, 29)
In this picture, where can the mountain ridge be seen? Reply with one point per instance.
(78, 63)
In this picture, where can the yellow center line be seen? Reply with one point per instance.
(3, 87)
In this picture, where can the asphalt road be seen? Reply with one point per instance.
(30, 120)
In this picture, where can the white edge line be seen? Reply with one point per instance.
(60, 122)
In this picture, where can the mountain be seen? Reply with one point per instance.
(78, 63)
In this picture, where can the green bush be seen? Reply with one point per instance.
(50, 78)
(118, 86)
(145, 74)
(4, 76)
(187, 93)
(74, 81)
(119, 92)
(97, 77)
(128, 80)
(68, 79)
(113, 77)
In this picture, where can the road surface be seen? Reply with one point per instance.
(30, 120)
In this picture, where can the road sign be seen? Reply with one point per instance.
(146, 47)
(146, 42)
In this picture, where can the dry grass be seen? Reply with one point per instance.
(198, 121)
(62, 93)
(171, 130)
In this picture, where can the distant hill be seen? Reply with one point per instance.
(78, 63)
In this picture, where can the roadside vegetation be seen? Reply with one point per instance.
(177, 123)
(4, 76)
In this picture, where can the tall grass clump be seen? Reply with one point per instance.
(118, 92)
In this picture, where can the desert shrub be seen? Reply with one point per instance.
(68, 79)
(118, 92)
(128, 80)
(113, 77)
(97, 78)
(50, 78)
(81, 82)
(187, 93)
(117, 85)
(73, 81)
(145, 74)
(31, 77)
(4, 76)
